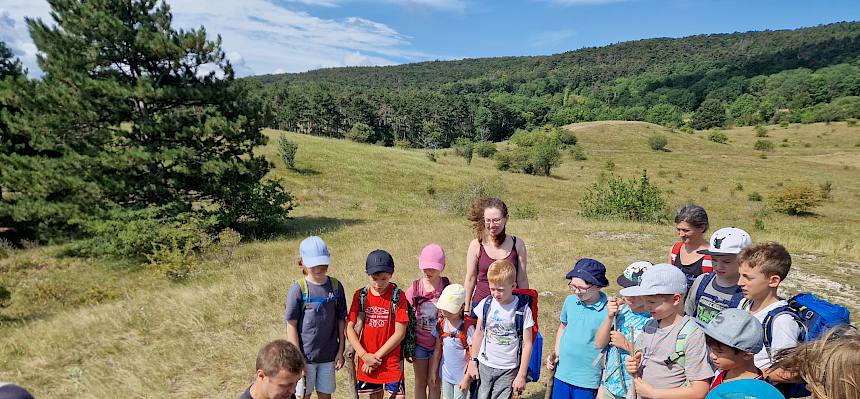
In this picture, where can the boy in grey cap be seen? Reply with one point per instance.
(734, 336)
(670, 358)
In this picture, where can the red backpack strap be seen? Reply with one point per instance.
(676, 253)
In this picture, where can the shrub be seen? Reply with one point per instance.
(545, 156)
(784, 124)
(852, 122)
(567, 137)
(577, 153)
(461, 199)
(718, 136)
(634, 199)
(763, 145)
(657, 142)
(754, 196)
(360, 132)
(485, 149)
(826, 189)
(5, 296)
(758, 224)
(431, 156)
(287, 148)
(402, 144)
(610, 165)
(760, 131)
(739, 187)
(711, 113)
(537, 159)
(464, 148)
(796, 199)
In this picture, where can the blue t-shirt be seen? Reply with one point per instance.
(625, 319)
(577, 351)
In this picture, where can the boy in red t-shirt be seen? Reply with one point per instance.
(377, 346)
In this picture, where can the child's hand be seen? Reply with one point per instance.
(643, 388)
(551, 361)
(612, 307)
(464, 384)
(370, 359)
(366, 369)
(473, 370)
(338, 361)
(632, 363)
(618, 340)
(519, 383)
(433, 380)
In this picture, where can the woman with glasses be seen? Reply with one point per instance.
(488, 218)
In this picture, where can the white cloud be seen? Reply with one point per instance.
(320, 3)
(261, 36)
(552, 38)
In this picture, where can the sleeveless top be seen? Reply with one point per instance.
(693, 270)
(482, 286)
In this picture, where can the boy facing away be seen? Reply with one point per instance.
(717, 290)
(671, 359)
(316, 319)
(499, 356)
(733, 337)
(377, 347)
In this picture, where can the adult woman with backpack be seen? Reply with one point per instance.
(691, 223)
(489, 217)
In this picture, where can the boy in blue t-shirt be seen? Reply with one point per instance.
(629, 317)
(577, 375)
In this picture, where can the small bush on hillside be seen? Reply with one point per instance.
(784, 124)
(826, 189)
(485, 149)
(610, 165)
(464, 148)
(403, 144)
(634, 199)
(5, 296)
(538, 159)
(287, 148)
(529, 138)
(524, 211)
(431, 156)
(688, 130)
(360, 132)
(461, 199)
(739, 187)
(657, 142)
(718, 136)
(852, 122)
(758, 225)
(760, 131)
(546, 156)
(577, 153)
(754, 196)
(567, 137)
(763, 145)
(796, 199)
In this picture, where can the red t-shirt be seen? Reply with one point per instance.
(377, 329)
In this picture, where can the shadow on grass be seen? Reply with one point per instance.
(306, 171)
(299, 227)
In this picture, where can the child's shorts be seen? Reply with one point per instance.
(422, 353)
(563, 390)
(319, 377)
(370, 388)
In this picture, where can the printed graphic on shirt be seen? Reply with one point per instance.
(500, 331)
(708, 308)
(429, 315)
(377, 317)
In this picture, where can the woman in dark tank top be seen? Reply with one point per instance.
(691, 223)
(489, 217)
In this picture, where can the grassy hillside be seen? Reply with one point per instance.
(98, 328)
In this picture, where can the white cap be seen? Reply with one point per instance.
(661, 278)
(728, 241)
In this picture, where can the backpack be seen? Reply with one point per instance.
(814, 316)
(675, 260)
(527, 298)
(461, 334)
(679, 357)
(700, 292)
(417, 300)
(407, 346)
(305, 299)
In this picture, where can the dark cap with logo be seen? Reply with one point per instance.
(379, 261)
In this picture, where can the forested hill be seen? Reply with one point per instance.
(740, 78)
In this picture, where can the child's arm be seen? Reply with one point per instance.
(341, 330)
(477, 340)
(434, 363)
(552, 359)
(696, 390)
(293, 332)
(393, 341)
(528, 340)
(601, 338)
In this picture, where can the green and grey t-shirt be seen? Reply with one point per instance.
(713, 300)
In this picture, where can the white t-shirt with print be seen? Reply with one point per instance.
(454, 356)
(500, 346)
(785, 332)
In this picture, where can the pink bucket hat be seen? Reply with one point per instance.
(432, 257)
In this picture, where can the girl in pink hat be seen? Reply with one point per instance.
(423, 294)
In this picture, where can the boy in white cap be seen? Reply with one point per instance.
(316, 319)
(671, 359)
(733, 336)
(454, 333)
(718, 290)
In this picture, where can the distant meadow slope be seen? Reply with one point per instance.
(98, 328)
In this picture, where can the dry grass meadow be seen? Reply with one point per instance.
(106, 329)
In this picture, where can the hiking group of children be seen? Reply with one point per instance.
(682, 329)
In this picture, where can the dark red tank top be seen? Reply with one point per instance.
(482, 287)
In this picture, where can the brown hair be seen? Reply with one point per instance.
(280, 355)
(476, 217)
(830, 365)
(771, 258)
(501, 272)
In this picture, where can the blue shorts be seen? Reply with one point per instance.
(422, 353)
(392, 388)
(563, 390)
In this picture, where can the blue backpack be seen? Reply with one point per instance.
(527, 299)
(814, 316)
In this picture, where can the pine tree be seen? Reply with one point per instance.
(132, 113)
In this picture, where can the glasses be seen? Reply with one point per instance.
(579, 290)
(493, 221)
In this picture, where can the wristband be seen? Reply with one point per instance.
(475, 359)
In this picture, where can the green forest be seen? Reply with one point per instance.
(698, 82)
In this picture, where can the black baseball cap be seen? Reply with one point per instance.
(379, 261)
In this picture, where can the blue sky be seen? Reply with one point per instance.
(272, 36)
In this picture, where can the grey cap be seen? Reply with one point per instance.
(736, 328)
